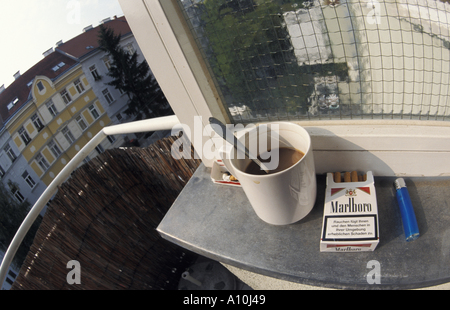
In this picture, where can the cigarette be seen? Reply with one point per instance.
(354, 176)
(347, 177)
(337, 177)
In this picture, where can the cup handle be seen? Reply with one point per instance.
(224, 153)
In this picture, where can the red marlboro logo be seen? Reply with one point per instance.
(365, 189)
(336, 190)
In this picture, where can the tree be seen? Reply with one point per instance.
(252, 53)
(145, 97)
(12, 214)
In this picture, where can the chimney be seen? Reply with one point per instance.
(48, 52)
(59, 43)
(2, 88)
(17, 75)
(86, 29)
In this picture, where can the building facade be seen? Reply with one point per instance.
(95, 64)
(51, 111)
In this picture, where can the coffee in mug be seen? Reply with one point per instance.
(287, 156)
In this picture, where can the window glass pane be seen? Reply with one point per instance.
(294, 59)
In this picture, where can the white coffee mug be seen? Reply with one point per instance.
(283, 197)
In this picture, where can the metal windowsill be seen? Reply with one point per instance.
(218, 222)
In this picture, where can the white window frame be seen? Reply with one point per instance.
(51, 108)
(79, 86)
(108, 97)
(27, 177)
(66, 96)
(24, 135)
(10, 152)
(82, 122)
(387, 147)
(37, 122)
(94, 71)
(54, 148)
(68, 135)
(94, 112)
(42, 162)
(107, 62)
(18, 195)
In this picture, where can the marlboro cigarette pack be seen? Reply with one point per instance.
(350, 218)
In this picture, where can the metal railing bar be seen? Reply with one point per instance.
(154, 124)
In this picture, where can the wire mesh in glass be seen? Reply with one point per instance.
(328, 59)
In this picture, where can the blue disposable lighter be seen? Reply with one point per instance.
(407, 211)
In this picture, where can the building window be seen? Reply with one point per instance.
(43, 163)
(16, 193)
(24, 135)
(66, 97)
(99, 149)
(9, 151)
(2, 172)
(107, 62)
(54, 148)
(119, 117)
(40, 86)
(13, 103)
(37, 122)
(111, 139)
(51, 108)
(58, 66)
(86, 159)
(81, 122)
(94, 73)
(130, 49)
(94, 112)
(108, 97)
(79, 86)
(68, 135)
(27, 177)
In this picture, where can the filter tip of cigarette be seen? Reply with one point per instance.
(348, 176)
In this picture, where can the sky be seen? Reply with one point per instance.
(28, 28)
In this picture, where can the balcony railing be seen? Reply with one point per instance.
(155, 124)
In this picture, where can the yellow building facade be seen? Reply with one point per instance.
(63, 115)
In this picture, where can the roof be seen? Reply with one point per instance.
(87, 42)
(19, 88)
(69, 53)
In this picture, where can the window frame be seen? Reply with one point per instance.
(55, 149)
(28, 179)
(80, 120)
(108, 97)
(18, 195)
(92, 108)
(40, 86)
(37, 122)
(185, 80)
(23, 134)
(79, 86)
(10, 153)
(42, 162)
(66, 96)
(94, 72)
(51, 108)
(68, 135)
